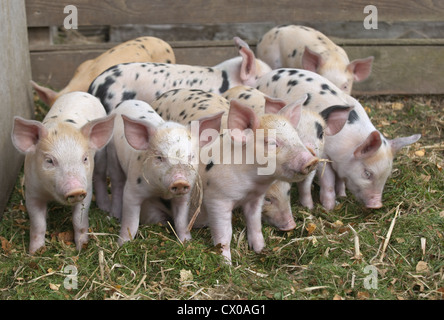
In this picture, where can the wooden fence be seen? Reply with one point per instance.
(401, 66)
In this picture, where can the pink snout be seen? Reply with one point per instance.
(309, 165)
(374, 202)
(290, 225)
(75, 196)
(179, 187)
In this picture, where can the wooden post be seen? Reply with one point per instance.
(15, 89)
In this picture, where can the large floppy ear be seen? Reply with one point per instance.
(273, 105)
(361, 68)
(209, 128)
(47, 95)
(99, 131)
(369, 146)
(138, 132)
(293, 111)
(26, 134)
(311, 60)
(248, 67)
(242, 121)
(398, 143)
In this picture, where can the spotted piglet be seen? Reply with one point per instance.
(142, 49)
(361, 156)
(151, 165)
(301, 47)
(59, 160)
(238, 167)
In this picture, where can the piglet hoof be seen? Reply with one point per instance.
(82, 242)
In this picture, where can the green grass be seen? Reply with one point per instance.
(294, 265)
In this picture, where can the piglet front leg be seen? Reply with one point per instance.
(252, 212)
(327, 192)
(132, 202)
(219, 219)
(180, 210)
(80, 220)
(37, 216)
(304, 190)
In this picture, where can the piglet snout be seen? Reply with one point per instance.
(179, 187)
(374, 202)
(75, 196)
(310, 165)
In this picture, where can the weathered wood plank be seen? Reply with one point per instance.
(15, 92)
(50, 12)
(400, 67)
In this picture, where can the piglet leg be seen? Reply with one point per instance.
(219, 219)
(252, 212)
(100, 184)
(37, 216)
(80, 220)
(304, 190)
(132, 202)
(327, 182)
(180, 208)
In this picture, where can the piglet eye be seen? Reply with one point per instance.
(367, 174)
(85, 159)
(267, 200)
(159, 158)
(49, 161)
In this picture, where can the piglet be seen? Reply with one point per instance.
(142, 49)
(361, 156)
(238, 167)
(301, 47)
(150, 163)
(59, 160)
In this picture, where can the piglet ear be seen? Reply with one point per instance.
(361, 68)
(311, 60)
(273, 105)
(209, 128)
(26, 134)
(369, 146)
(336, 120)
(242, 120)
(293, 111)
(47, 95)
(99, 131)
(138, 132)
(399, 143)
(248, 67)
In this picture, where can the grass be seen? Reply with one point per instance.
(317, 260)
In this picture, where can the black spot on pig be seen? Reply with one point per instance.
(326, 87)
(209, 166)
(353, 117)
(102, 91)
(225, 83)
(292, 83)
(276, 77)
(128, 95)
(70, 121)
(319, 130)
(307, 101)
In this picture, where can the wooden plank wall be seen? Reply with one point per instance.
(15, 93)
(407, 66)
